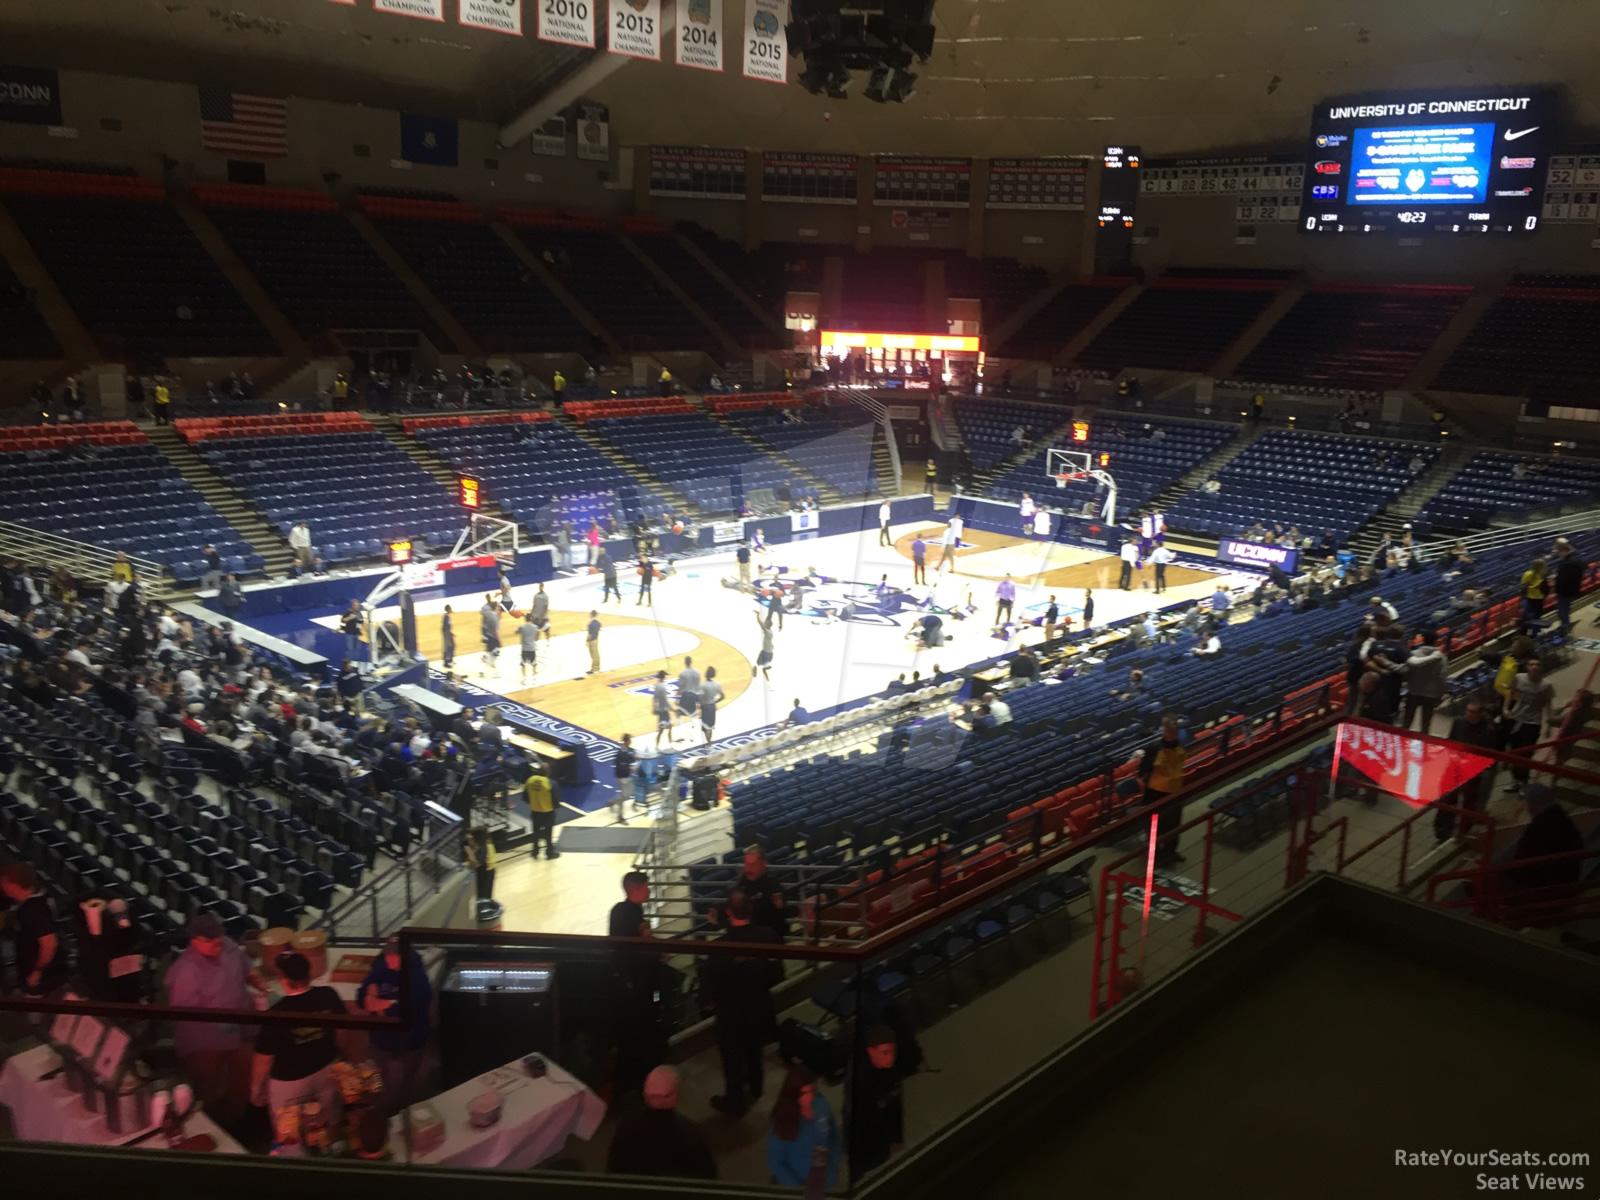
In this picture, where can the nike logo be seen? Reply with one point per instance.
(1512, 136)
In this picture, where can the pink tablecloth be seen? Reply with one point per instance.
(536, 1118)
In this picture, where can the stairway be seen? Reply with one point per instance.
(1206, 468)
(828, 493)
(883, 463)
(1582, 756)
(391, 428)
(680, 502)
(235, 509)
(716, 272)
(537, 268)
(1392, 518)
(1080, 340)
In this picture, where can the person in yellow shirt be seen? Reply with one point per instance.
(122, 569)
(341, 391)
(542, 809)
(1161, 769)
(163, 404)
(1533, 590)
(558, 385)
(666, 382)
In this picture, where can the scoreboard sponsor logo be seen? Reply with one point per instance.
(1327, 167)
(1508, 163)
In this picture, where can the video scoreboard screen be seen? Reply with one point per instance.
(1436, 162)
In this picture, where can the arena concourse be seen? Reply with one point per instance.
(931, 598)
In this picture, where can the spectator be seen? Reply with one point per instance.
(1385, 654)
(479, 857)
(1550, 832)
(1570, 569)
(1025, 666)
(539, 793)
(1425, 681)
(763, 892)
(877, 1104)
(591, 539)
(797, 716)
(295, 1061)
(1209, 647)
(641, 1043)
(1534, 584)
(213, 972)
(1526, 708)
(447, 638)
(350, 625)
(398, 1054)
(657, 1140)
(1471, 728)
(1134, 689)
(230, 595)
(213, 574)
(802, 1121)
(1161, 770)
(300, 543)
(1383, 613)
(740, 994)
(1221, 601)
(41, 964)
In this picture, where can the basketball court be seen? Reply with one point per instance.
(817, 661)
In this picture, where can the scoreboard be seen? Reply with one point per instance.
(1461, 161)
(1572, 189)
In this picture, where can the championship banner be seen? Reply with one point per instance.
(550, 139)
(1042, 184)
(30, 95)
(636, 28)
(428, 10)
(570, 22)
(697, 171)
(700, 34)
(593, 123)
(502, 16)
(766, 53)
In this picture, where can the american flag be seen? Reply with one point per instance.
(234, 123)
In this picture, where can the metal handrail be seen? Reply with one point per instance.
(51, 549)
(1494, 539)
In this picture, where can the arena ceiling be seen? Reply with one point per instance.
(1007, 77)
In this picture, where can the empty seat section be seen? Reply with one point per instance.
(544, 474)
(23, 332)
(1064, 315)
(1181, 322)
(1352, 337)
(306, 253)
(122, 494)
(130, 268)
(989, 426)
(714, 468)
(476, 275)
(1539, 339)
(1003, 284)
(1317, 482)
(833, 442)
(354, 488)
(704, 288)
(1514, 486)
(608, 280)
(1145, 458)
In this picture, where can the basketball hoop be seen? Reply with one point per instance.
(1065, 477)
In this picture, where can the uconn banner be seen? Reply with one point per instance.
(1257, 554)
(30, 95)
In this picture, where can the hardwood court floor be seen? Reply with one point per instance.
(1038, 563)
(617, 700)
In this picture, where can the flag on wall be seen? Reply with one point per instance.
(431, 140)
(236, 123)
